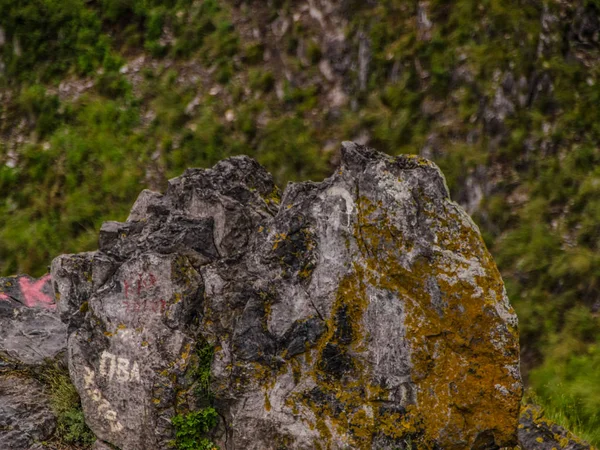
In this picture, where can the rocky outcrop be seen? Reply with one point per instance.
(26, 417)
(30, 329)
(31, 334)
(363, 311)
(536, 432)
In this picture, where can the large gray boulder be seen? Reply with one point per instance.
(31, 334)
(30, 329)
(25, 413)
(360, 312)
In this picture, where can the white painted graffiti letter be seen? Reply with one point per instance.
(111, 365)
(110, 370)
(88, 378)
(96, 395)
(122, 369)
(135, 373)
(116, 426)
(104, 405)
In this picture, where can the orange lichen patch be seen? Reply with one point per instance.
(398, 425)
(457, 364)
(348, 403)
(321, 425)
(274, 197)
(185, 354)
(253, 372)
(463, 350)
(279, 238)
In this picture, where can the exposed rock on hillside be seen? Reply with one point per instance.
(30, 330)
(538, 433)
(31, 333)
(25, 413)
(360, 312)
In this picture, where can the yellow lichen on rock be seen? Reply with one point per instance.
(466, 381)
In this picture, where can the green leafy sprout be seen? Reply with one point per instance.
(191, 428)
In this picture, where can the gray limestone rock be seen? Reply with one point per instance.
(31, 333)
(536, 432)
(30, 329)
(25, 414)
(363, 311)
(99, 445)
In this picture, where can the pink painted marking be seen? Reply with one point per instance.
(144, 282)
(3, 296)
(33, 295)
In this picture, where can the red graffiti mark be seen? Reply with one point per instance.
(145, 305)
(3, 296)
(144, 282)
(139, 292)
(33, 295)
(160, 305)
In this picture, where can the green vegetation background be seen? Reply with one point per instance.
(209, 88)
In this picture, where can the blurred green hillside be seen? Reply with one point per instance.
(102, 98)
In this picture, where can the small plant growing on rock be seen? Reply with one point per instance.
(71, 428)
(191, 428)
(205, 356)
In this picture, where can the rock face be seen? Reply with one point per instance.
(538, 433)
(31, 333)
(30, 329)
(360, 312)
(25, 414)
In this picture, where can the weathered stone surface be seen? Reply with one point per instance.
(538, 433)
(25, 414)
(99, 445)
(31, 332)
(30, 329)
(362, 312)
